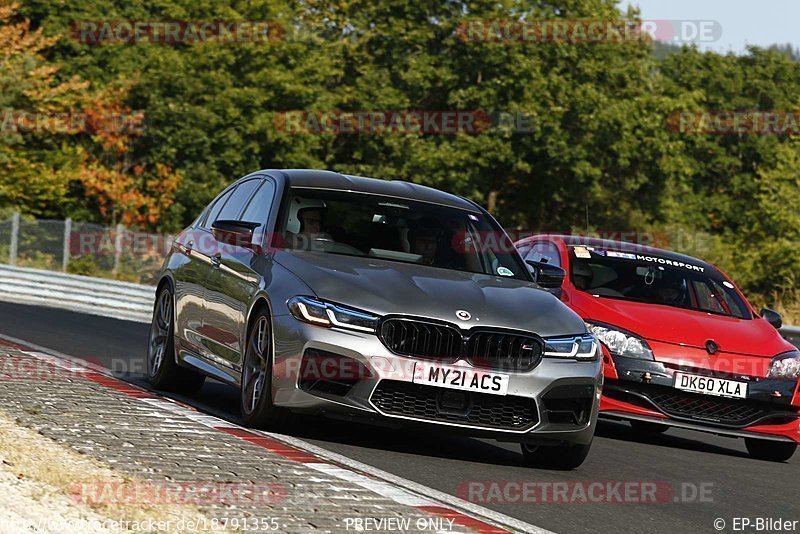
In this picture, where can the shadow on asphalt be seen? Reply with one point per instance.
(223, 401)
(623, 432)
(409, 441)
(109, 341)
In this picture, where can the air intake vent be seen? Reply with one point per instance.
(417, 401)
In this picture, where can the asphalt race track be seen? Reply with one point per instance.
(738, 485)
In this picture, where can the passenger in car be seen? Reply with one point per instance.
(424, 238)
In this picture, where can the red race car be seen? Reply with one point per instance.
(682, 346)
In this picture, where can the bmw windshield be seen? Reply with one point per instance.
(395, 229)
(654, 280)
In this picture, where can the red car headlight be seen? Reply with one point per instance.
(621, 342)
(785, 366)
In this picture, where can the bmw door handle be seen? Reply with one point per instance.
(216, 261)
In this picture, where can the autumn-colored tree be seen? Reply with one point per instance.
(55, 133)
(32, 172)
(26, 76)
(596, 149)
(126, 190)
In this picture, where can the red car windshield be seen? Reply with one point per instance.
(654, 280)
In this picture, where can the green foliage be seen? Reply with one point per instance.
(85, 265)
(599, 138)
(742, 189)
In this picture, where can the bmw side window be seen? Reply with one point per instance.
(199, 219)
(216, 208)
(545, 252)
(235, 205)
(260, 205)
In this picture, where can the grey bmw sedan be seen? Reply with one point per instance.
(384, 301)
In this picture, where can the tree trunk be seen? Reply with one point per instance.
(491, 201)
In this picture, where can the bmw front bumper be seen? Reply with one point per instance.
(555, 403)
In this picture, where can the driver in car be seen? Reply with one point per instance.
(673, 293)
(310, 222)
(306, 223)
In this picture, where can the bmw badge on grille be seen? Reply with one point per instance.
(464, 315)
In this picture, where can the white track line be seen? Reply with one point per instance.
(410, 485)
(398, 489)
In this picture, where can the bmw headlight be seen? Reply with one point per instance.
(620, 342)
(322, 313)
(583, 348)
(785, 366)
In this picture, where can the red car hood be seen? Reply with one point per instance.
(754, 337)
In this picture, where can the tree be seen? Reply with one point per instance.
(127, 190)
(741, 191)
(35, 103)
(599, 137)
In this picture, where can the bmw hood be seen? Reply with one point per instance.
(386, 288)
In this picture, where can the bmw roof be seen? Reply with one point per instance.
(391, 188)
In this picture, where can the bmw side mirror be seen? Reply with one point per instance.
(237, 233)
(547, 276)
(772, 317)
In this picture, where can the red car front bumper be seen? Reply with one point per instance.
(643, 390)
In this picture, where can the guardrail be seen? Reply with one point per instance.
(111, 298)
(97, 296)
